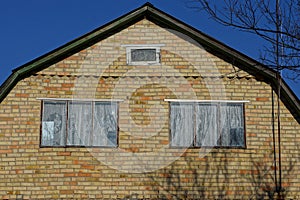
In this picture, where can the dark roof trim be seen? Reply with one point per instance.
(231, 55)
(70, 48)
(165, 20)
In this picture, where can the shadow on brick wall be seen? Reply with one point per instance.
(262, 177)
(219, 179)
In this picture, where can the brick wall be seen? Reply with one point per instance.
(143, 165)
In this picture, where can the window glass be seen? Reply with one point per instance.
(143, 55)
(232, 125)
(105, 124)
(207, 124)
(53, 124)
(182, 124)
(79, 123)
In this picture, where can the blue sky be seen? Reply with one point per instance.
(31, 28)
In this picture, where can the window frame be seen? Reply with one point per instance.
(218, 119)
(156, 47)
(93, 102)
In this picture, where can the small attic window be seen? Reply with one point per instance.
(143, 54)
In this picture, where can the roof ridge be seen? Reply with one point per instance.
(148, 4)
(164, 20)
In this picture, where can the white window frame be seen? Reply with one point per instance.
(129, 49)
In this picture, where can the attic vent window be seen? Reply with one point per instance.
(143, 54)
(140, 55)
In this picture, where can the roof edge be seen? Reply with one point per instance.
(69, 48)
(157, 16)
(231, 55)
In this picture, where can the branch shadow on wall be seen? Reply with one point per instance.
(218, 178)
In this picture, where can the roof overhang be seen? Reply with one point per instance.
(165, 20)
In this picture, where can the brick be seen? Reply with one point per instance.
(6, 118)
(262, 99)
(63, 153)
(125, 172)
(22, 95)
(5, 151)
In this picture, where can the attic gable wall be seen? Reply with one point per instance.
(112, 53)
(143, 166)
(179, 58)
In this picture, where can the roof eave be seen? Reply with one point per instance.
(70, 48)
(165, 20)
(231, 55)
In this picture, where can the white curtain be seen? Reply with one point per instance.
(182, 124)
(206, 125)
(54, 123)
(79, 123)
(232, 125)
(105, 124)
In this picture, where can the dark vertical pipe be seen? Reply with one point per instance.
(279, 133)
(274, 140)
(278, 24)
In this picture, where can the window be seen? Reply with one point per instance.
(143, 54)
(79, 123)
(199, 124)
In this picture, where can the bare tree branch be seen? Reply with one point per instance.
(259, 17)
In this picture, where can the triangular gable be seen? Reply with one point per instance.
(164, 20)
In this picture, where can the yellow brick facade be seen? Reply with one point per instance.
(144, 166)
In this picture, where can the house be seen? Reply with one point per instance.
(147, 107)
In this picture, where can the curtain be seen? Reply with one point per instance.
(232, 125)
(182, 124)
(80, 123)
(54, 124)
(105, 124)
(206, 125)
